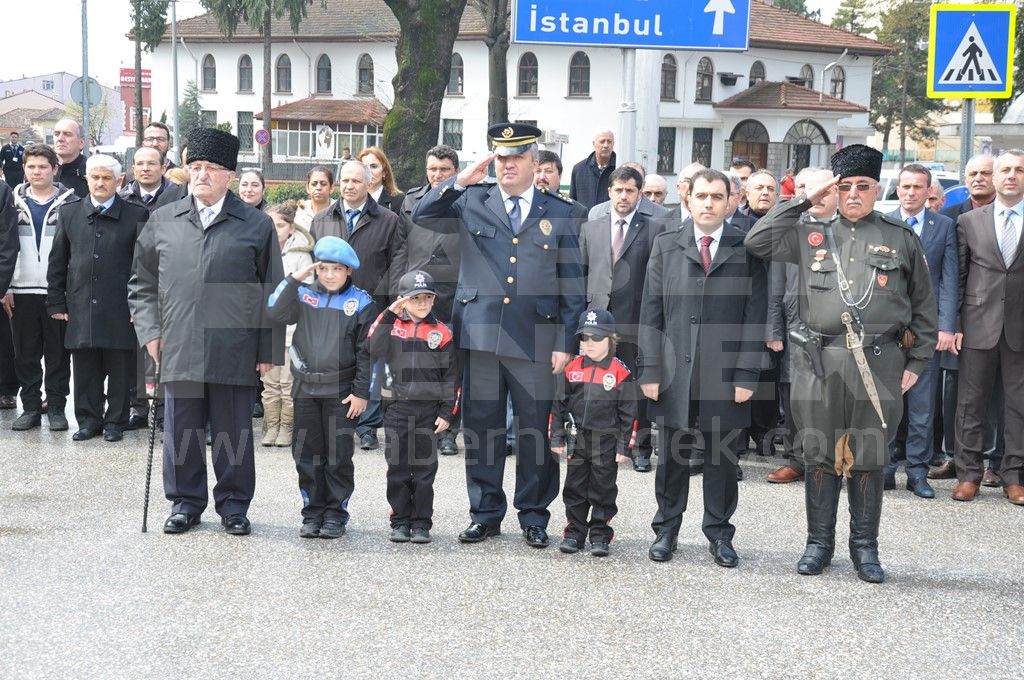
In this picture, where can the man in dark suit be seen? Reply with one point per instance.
(992, 294)
(978, 180)
(938, 236)
(615, 252)
(9, 246)
(520, 292)
(701, 349)
(589, 181)
(150, 188)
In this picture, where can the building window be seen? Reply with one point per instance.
(283, 72)
(705, 79)
(668, 78)
(297, 139)
(452, 133)
(666, 150)
(701, 152)
(245, 130)
(209, 73)
(807, 75)
(757, 73)
(207, 118)
(455, 75)
(365, 74)
(323, 74)
(838, 83)
(579, 75)
(245, 74)
(527, 75)
(47, 84)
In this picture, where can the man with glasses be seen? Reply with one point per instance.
(155, 136)
(204, 268)
(150, 188)
(869, 329)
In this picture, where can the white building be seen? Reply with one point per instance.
(763, 104)
(57, 86)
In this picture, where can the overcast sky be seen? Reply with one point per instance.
(109, 48)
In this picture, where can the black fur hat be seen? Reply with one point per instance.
(214, 146)
(857, 160)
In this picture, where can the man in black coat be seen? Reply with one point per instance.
(9, 246)
(590, 176)
(615, 252)
(87, 287)
(150, 188)
(701, 350)
(68, 142)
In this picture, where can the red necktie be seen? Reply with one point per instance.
(705, 252)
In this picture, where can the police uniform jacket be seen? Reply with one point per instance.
(422, 359)
(519, 295)
(715, 321)
(89, 266)
(883, 261)
(601, 396)
(436, 253)
(204, 292)
(329, 357)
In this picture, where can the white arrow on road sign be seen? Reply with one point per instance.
(719, 7)
(971, 64)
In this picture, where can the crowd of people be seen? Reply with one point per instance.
(603, 326)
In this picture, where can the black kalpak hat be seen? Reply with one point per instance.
(214, 146)
(857, 160)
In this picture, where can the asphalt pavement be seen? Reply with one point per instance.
(84, 594)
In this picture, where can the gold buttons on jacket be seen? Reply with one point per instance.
(510, 280)
(515, 241)
(512, 259)
(507, 300)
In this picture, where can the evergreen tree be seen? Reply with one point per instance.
(856, 16)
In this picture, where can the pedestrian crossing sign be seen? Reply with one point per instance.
(970, 53)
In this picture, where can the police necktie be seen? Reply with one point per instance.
(617, 240)
(514, 215)
(351, 216)
(912, 223)
(1008, 238)
(705, 252)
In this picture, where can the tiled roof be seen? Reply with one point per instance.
(18, 119)
(772, 95)
(367, 111)
(348, 21)
(772, 26)
(50, 114)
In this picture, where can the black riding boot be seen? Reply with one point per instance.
(821, 497)
(865, 490)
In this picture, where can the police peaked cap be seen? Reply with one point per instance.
(416, 282)
(510, 139)
(335, 249)
(857, 160)
(214, 146)
(596, 322)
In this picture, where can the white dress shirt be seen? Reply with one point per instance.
(525, 202)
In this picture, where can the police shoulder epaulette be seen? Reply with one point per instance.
(555, 194)
(896, 222)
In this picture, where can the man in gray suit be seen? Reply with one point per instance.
(646, 207)
(992, 294)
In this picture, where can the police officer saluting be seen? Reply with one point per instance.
(519, 295)
(869, 329)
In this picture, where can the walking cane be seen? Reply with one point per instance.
(152, 442)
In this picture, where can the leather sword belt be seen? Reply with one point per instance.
(869, 340)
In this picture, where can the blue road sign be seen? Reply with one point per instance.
(657, 24)
(970, 52)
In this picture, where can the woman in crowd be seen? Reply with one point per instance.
(382, 184)
(251, 187)
(319, 181)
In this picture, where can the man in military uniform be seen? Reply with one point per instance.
(520, 292)
(869, 329)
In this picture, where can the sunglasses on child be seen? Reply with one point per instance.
(595, 337)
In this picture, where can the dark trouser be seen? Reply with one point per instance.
(488, 380)
(919, 415)
(322, 448)
(412, 462)
(672, 480)
(8, 376)
(590, 489)
(979, 371)
(91, 368)
(945, 434)
(227, 410)
(790, 437)
(626, 352)
(37, 337)
(373, 416)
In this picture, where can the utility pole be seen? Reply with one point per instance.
(86, 99)
(966, 133)
(174, 78)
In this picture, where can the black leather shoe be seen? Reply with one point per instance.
(723, 553)
(662, 548)
(510, 449)
(697, 469)
(58, 422)
(332, 528)
(920, 487)
(889, 478)
(641, 462)
(368, 442)
(137, 421)
(448, 447)
(599, 549)
(27, 421)
(85, 434)
(180, 522)
(310, 528)
(870, 572)
(257, 409)
(420, 535)
(570, 545)
(112, 434)
(400, 534)
(7, 402)
(477, 532)
(536, 536)
(813, 561)
(237, 525)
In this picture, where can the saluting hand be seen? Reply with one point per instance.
(475, 173)
(305, 272)
(817, 192)
(398, 306)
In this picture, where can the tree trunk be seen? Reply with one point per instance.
(497, 102)
(886, 131)
(428, 29)
(138, 73)
(267, 152)
(903, 124)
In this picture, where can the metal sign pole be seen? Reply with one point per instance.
(86, 99)
(625, 141)
(966, 133)
(174, 78)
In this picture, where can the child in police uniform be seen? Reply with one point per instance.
(331, 379)
(596, 404)
(420, 352)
